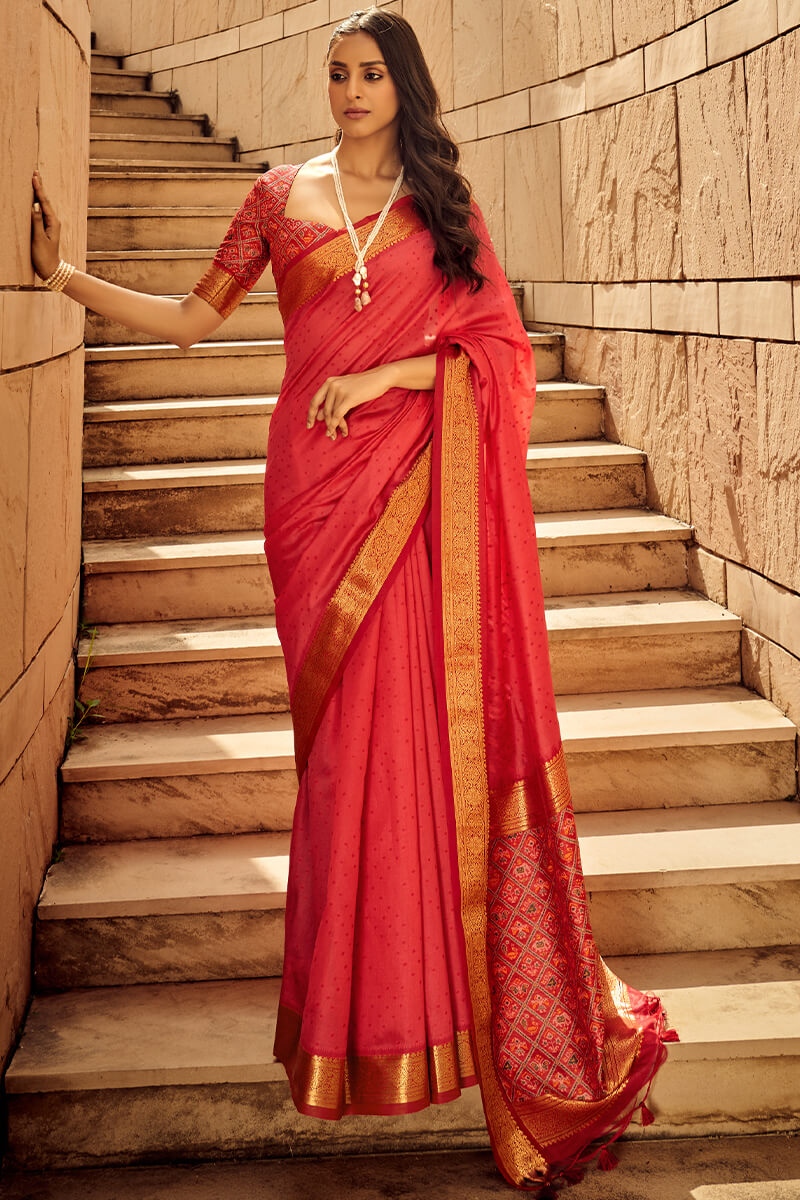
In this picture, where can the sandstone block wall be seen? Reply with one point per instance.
(44, 115)
(637, 163)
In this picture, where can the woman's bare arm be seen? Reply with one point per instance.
(180, 322)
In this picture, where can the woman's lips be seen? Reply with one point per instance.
(356, 113)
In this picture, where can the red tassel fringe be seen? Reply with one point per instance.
(647, 1116)
(606, 1160)
(670, 1036)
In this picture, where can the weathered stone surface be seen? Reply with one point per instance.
(620, 198)
(777, 388)
(736, 28)
(482, 164)
(111, 25)
(784, 675)
(675, 56)
(237, 12)
(477, 51)
(585, 33)
(19, 28)
(691, 10)
(772, 610)
(238, 81)
(715, 202)
(755, 664)
(197, 84)
(193, 18)
(530, 43)
(152, 23)
(639, 21)
(615, 80)
(773, 119)
(756, 308)
(533, 204)
(726, 491)
(434, 27)
(707, 574)
(16, 390)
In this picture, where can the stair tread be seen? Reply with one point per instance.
(160, 137)
(219, 472)
(127, 116)
(631, 848)
(209, 170)
(100, 163)
(164, 210)
(606, 721)
(587, 616)
(724, 1004)
(95, 91)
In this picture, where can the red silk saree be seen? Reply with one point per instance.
(437, 927)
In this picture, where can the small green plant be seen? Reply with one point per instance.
(81, 710)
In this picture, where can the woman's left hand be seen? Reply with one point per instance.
(340, 393)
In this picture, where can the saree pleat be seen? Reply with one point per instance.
(437, 924)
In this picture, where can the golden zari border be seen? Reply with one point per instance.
(373, 1080)
(461, 621)
(522, 805)
(334, 258)
(219, 289)
(352, 599)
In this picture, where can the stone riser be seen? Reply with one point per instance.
(119, 81)
(156, 233)
(193, 150)
(244, 590)
(256, 1120)
(199, 375)
(165, 275)
(139, 190)
(253, 320)
(145, 124)
(206, 439)
(165, 511)
(144, 103)
(119, 810)
(105, 62)
(185, 947)
(232, 686)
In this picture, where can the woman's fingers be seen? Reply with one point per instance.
(328, 405)
(317, 400)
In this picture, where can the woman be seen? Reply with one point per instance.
(437, 932)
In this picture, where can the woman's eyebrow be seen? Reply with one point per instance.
(375, 62)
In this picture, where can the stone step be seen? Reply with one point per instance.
(162, 272)
(219, 427)
(100, 164)
(172, 188)
(625, 750)
(255, 318)
(225, 368)
(101, 61)
(177, 1071)
(165, 228)
(145, 124)
(132, 103)
(151, 670)
(195, 497)
(225, 574)
(164, 147)
(196, 908)
(114, 79)
(650, 1167)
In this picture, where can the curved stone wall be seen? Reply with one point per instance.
(45, 121)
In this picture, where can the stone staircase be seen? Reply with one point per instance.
(159, 931)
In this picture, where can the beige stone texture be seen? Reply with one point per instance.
(618, 79)
(503, 115)
(756, 308)
(622, 305)
(772, 610)
(197, 84)
(726, 488)
(193, 19)
(482, 164)
(585, 34)
(778, 386)
(561, 98)
(736, 28)
(305, 16)
(619, 182)
(692, 10)
(773, 113)
(433, 25)
(111, 24)
(755, 662)
(530, 42)
(637, 22)
(239, 97)
(707, 574)
(477, 51)
(462, 123)
(16, 389)
(689, 307)
(237, 12)
(152, 24)
(716, 232)
(19, 31)
(165, 57)
(570, 303)
(214, 45)
(788, 15)
(256, 33)
(784, 676)
(676, 56)
(533, 204)
(287, 114)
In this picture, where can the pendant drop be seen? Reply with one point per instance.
(357, 278)
(365, 297)
(358, 304)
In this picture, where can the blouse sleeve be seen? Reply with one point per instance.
(242, 255)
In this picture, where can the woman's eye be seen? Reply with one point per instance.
(373, 75)
(336, 76)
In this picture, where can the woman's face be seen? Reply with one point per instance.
(361, 91)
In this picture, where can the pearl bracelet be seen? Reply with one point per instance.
(60, 277)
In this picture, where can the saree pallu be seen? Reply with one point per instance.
(437, 926)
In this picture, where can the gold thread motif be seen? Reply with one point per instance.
(219, 289)
(519, 806)
(321, 267)
(352, 599)
(461, 619)
(412, 1077)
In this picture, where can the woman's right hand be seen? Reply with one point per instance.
(45, 232)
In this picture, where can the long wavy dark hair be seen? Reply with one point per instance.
(429, 155)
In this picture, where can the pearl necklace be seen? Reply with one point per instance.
(360, 277)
